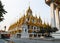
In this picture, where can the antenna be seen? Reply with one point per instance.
(29, 3)
(4, 28)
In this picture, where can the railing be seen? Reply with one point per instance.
(37, 35)
(31, 35)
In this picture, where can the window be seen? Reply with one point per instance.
(39, 35)
(34, 27)
(30, 35)
(25, 30)
(28, 26)
(31, 27)
(19, 31)
(32, 20)
(35, 35)
(18, 35)
(27, 19)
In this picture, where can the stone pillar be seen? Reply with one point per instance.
(53, 24)
(57, 17)
(59, 20)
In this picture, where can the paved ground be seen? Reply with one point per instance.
(34, 41)
(2, 41)
(29, 41)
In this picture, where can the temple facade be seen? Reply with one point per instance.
(29, 26)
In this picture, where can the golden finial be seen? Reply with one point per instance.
(44, 25)
(39, 17)
(36, 15)
(4, 28)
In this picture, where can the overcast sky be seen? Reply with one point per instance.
(17, 8)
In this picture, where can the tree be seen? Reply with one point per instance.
(54, 29)
(2, 11)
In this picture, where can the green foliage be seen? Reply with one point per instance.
(2, 11)
(47, 29)
(54, 29)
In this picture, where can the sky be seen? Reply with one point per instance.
(17, 8)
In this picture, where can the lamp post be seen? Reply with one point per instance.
(4, 28)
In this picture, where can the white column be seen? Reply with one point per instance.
(53, 24)
(57, 18)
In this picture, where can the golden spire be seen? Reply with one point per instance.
(40, 19)
(24, 15)
(29, 10)
(47, 24)
(44, 25)
(36, 15)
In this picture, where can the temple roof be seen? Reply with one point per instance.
(56, 3)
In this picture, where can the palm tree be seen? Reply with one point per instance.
(2, 11)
